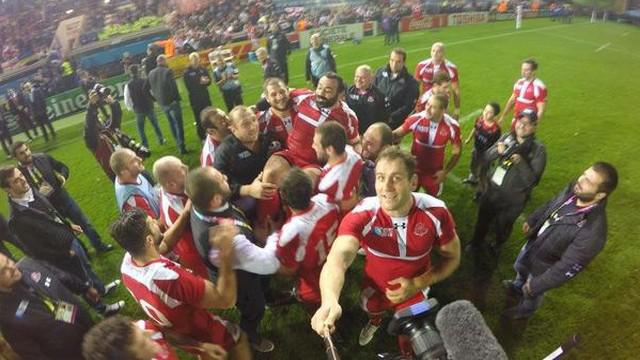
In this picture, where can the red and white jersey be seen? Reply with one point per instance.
(208, 154)
(340, 181)
(172, 205)
(427, 68)
(170, 296)
(166, 352)
(304, 242)
(308, 116)
(421, 105)
(140, 202)
(276, 128)
(528, 94)
(430, 139)
(398, 247)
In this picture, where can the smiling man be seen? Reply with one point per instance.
(398, 229)
(564, 235)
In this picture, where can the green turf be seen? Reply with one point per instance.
(592, 96)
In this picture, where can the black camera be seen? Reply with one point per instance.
(130, 143)
(101, 90)
(511, 146)
(412, 322)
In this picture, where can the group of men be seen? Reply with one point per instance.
(302, 183)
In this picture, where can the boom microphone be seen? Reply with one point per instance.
(466, 335)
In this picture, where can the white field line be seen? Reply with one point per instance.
(603, 47)
(591, 43)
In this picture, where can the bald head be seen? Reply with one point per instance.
(377, 137)
(437, 52)
(171, 174)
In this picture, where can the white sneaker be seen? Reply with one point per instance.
(110, 286)
(367, 332)
(264, 346)
(112, 309)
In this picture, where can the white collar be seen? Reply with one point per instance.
(25, 199)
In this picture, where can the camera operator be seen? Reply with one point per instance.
(398, 230)
(99, 133)
(520, 160)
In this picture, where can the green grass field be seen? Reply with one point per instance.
(593, 93)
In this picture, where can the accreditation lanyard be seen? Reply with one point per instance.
(554, 217)
(61, 310)
(36, 175)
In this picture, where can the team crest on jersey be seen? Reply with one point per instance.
(383, 232)
(420, 229)
(36, 276)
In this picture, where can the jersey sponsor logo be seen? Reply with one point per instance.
(244, 154)
(383, 232)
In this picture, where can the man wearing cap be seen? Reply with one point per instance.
(518, 161)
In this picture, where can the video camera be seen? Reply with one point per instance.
(101, 90)
(412, 322)
(130, 143)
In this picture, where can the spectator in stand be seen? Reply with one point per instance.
(165, 90)
(279, 49)
(197, 81)
(398, 86)
(432, 130)
(485, 133)
(216, 124)
(137, 97)
(134, 188)
(529, 92)
(426, 69)
(48, 176)
(18, 106)
(366, 100)
(226, 76)
(270, 67)
(37, 100)
(319, 60)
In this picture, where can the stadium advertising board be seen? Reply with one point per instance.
(75, 100)
(409, 23)
(525, 14)
(339, 33)
(468, 18)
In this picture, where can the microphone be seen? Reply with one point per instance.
(466, 335)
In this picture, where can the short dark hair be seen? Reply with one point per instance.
(130, 231)
(496, 108)
(532, 62)
(15, 146)
(110, 339)
(402, 52)
(201, 188)
(609, 175)
(273, 81)
(440, 77)
(332, 134)
(395, 153)
(6, 173)
(207, 115)
(333, 76)
(296, 189)
(134, 70)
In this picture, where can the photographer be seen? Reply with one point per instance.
(99, 134)
(520, 160)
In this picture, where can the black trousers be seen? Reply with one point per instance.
(250, 302)
(43, 121)
(197, 107)
(500, 209)
(232, 98)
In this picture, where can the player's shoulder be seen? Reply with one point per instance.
(426, 202)
(369, 205)
(539, 83)
(425, 62)
(346, 109)
(451, 122)
(448, 63)
(299, 95)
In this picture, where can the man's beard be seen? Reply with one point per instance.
(323, 102)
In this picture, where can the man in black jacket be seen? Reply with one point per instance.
(279, 48)
(165, 90)
(366, 100)
(37, 100)
(270, 67)
(399, 87)
(197, 81)
(99, 133)
(518, 160)
(39, 315)
(48, 176)
(137, 97)
(563, 235)
(45, 234)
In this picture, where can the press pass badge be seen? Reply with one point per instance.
(498, 175)
(65, 312)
